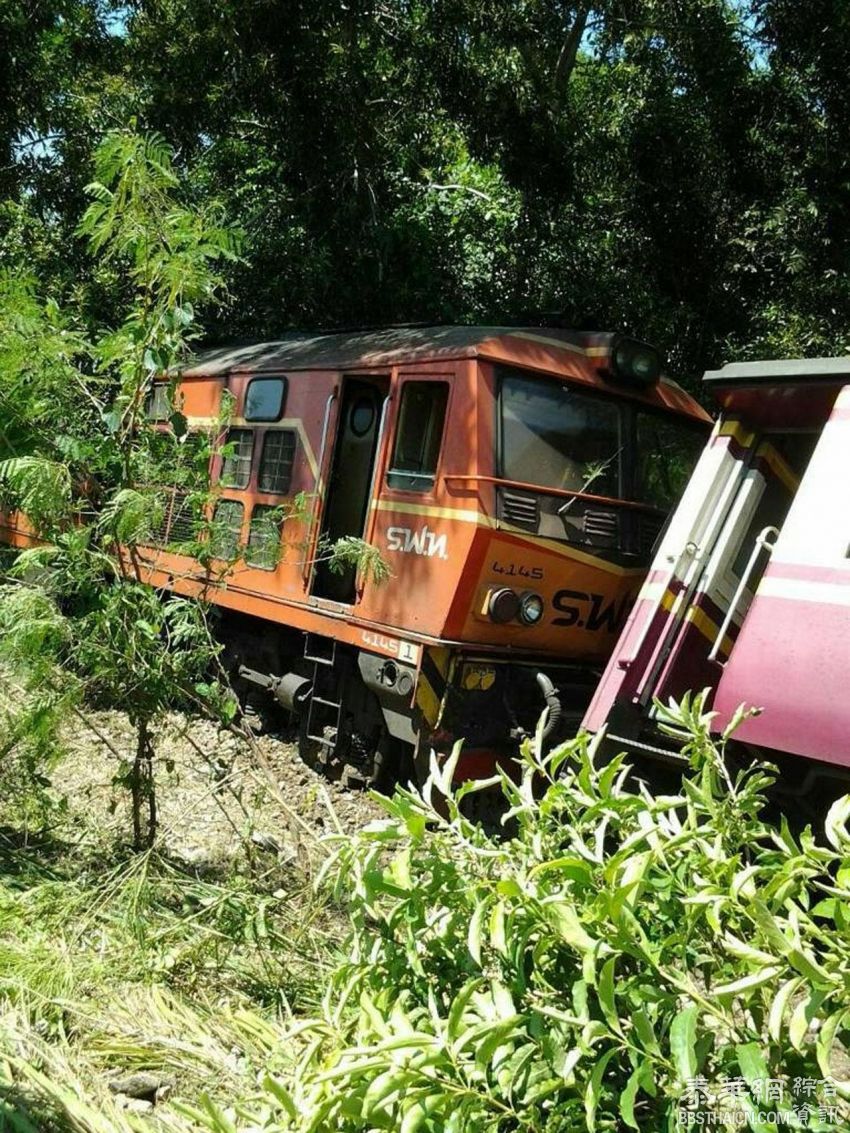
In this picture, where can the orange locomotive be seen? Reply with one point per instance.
(515, 481)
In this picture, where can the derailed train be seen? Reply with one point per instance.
(531, 491)
(749, 591)
(515, 481)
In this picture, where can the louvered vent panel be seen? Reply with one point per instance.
(159, 534)
(183, 521)
(601, 525)
(519, 508)
(177, 524)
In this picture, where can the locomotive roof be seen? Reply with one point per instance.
(314, 351)
(793, 371)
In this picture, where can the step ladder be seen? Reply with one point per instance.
(324, 711)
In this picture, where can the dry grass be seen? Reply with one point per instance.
(182, 967)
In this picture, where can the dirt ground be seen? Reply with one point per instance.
(214, 790)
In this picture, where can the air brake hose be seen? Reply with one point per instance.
(552, 703)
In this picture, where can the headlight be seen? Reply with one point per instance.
(530, 608)
(635, 361)
(503, 605)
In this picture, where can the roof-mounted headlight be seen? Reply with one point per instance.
(635, 361)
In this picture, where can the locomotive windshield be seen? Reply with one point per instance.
(558, 437)
(666, 452)
(555, 435)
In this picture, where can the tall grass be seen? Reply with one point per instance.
(113, 967)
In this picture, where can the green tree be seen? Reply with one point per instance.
(89, 476)
(673, 167)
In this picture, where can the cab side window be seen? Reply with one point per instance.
(236, 469)
(265, 399)
(275, 475)
(226, 528)
(419, 435)
(158, 403)
(264, 535)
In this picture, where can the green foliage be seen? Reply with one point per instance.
(95, 482)
(40, 488)
(350, 551)
(131, 516)
(89, 479)
(167, 252)
(673, 168)
(580, 972)
(34, 698)
(43, 400)
(134, 639)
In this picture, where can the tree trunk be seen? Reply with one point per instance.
(569, 51)
(142, 788)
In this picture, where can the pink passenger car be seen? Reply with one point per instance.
(749, 592)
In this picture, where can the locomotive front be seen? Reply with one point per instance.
(571, 490)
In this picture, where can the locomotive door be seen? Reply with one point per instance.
(346, 502)
(730, 577)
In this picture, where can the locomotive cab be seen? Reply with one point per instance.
(749, 593)
(514, 482)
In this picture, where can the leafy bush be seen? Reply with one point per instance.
(617, 953)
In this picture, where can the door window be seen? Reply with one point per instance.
(346, 502)
(362, 416)
(421, 418)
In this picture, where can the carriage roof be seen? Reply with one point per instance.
(790, 371)
(332, 351)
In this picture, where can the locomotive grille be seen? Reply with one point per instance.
(519, 508)
(178, 524)
(601, 526)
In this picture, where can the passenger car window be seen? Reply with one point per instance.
(227, 529)
(276, 461)
(421, 418)
(236, 470)
(264, 399)
(264, 537)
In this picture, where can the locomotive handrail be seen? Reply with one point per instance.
(376, 466)
(309, 561)
(760, 545)
(610, 501)
(377, 471)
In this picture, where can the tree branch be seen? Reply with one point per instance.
(569, 51)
